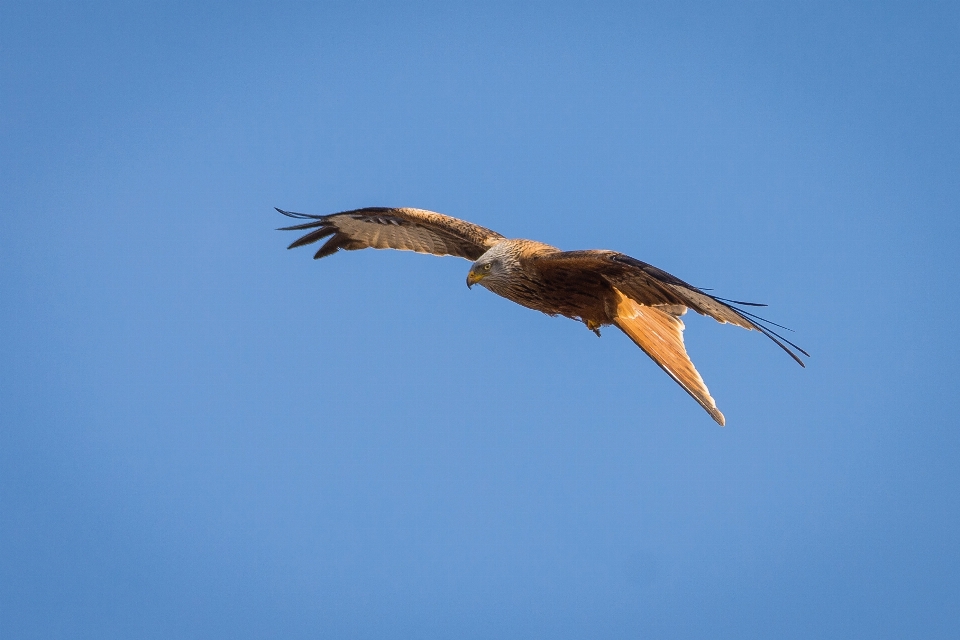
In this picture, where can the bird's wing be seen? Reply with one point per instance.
(386, 228)
(650, 286)
(660, 335)
(645, 308)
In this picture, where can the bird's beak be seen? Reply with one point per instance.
(474, 277)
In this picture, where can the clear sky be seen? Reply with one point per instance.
(205, 435)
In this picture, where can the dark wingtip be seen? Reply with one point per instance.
(331, 246)
(759, 323)
(299, 216)
(748, 304)
(313, 236)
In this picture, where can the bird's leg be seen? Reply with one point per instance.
(593, 326)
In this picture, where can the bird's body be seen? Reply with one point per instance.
(596, 287)
(541, 277)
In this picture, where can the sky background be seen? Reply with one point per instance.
(204, 435)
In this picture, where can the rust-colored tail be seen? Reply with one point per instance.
(660, 335)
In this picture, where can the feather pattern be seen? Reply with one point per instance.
(386, 228)
(651, 286)
(660, 335)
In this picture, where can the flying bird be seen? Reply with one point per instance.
(596, 287)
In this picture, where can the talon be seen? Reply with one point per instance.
(593, 326)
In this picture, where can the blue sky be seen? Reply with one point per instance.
(205, 435)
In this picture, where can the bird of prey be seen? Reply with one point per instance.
(595, 287)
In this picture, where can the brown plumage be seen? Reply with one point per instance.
(596, 287)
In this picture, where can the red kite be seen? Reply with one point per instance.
(596, 287)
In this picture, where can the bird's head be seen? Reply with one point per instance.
(480, 271)
(492, 267)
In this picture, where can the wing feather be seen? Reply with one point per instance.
(386, 228)
(660, 335)
(648, 285)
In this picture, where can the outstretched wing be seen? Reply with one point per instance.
(650, 286)
(660, 334)
(387, 228)
(647, 305)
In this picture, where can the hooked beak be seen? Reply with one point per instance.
(474, 277)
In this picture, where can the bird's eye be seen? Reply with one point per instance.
(487, 266)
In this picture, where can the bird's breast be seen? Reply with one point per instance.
(583, 298)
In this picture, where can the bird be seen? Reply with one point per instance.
(596, 287)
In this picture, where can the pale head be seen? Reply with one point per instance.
(495, 266)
